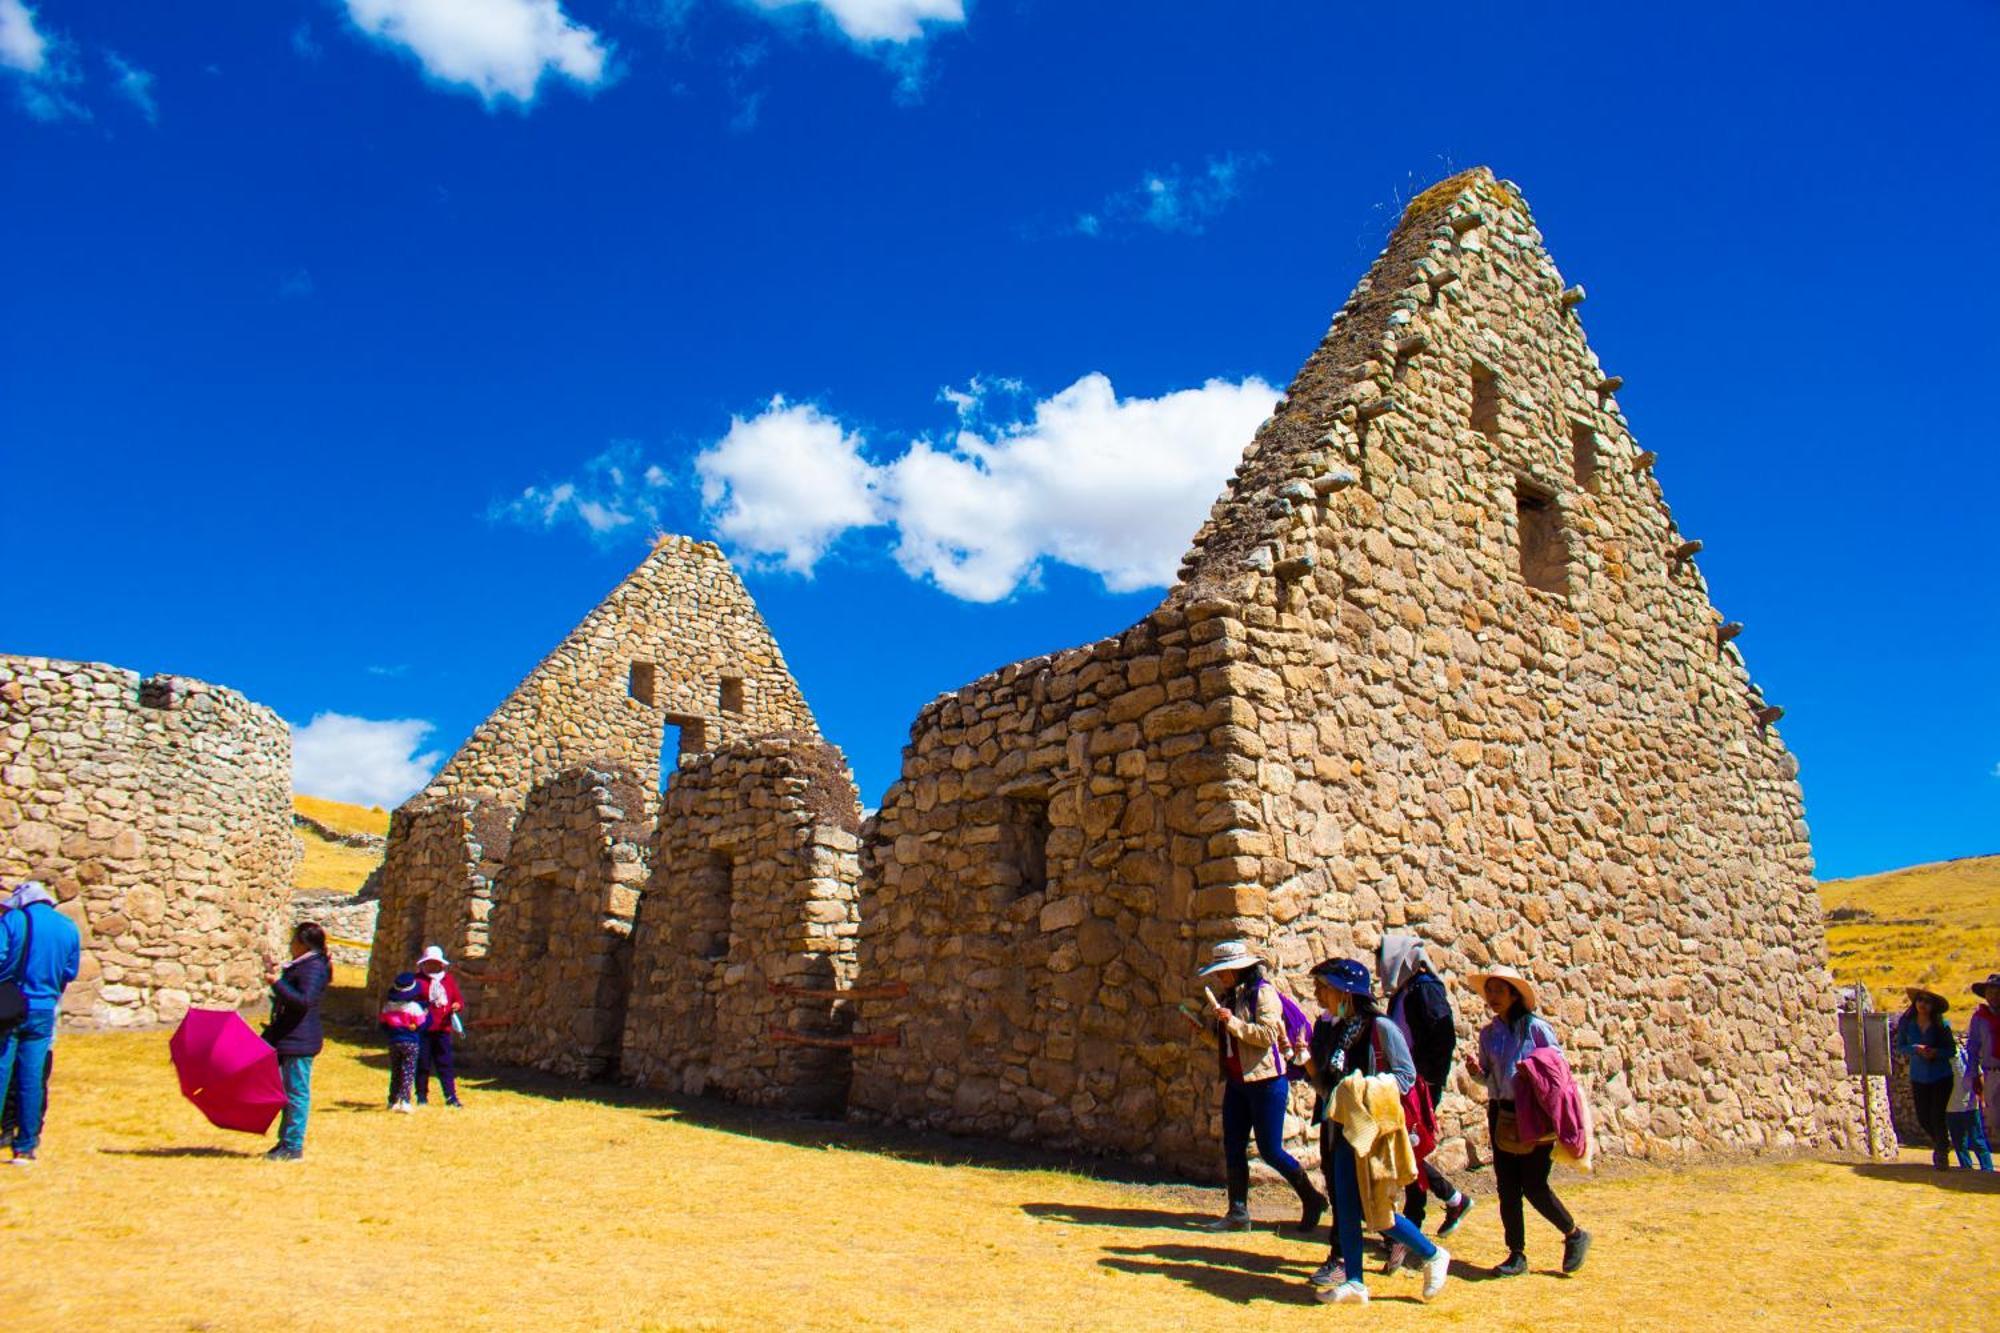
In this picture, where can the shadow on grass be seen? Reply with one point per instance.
(1916, 1173)
(1233, 1275)
(1090, 1215)
(181, 1152)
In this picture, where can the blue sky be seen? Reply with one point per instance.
(352, 349)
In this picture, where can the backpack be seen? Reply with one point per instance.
(1298, 1028)
(13, 1000)
(1419, 1116)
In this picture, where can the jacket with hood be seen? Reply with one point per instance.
(294, 1028)
(51, 957)
(1420, 1006)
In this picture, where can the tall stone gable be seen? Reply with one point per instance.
(679, 642)
(1440, 661)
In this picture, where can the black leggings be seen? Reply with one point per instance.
(1931, 1098)
(1526, 1176)
(1429, 1178)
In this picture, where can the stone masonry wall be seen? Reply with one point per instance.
(704, 661)
(558, 954)
(437, 884)
(159, 811)
(1440, 661)
(753, 887)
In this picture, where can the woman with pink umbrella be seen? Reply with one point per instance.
(294, 1032)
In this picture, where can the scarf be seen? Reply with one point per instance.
(439, 996)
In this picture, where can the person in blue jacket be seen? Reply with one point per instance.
(294, 1031)
(1923, 1038)
(40, 950)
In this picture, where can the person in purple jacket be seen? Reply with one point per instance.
(294, 1031)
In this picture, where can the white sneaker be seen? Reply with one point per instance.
(404, 1107)
(1347, 1293)
(1436, 1269)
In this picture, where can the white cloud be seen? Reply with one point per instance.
(356, 760)
(1114, 487)
(786, 483)
(22, 46)
(497, 48)
(610, 492)
(304, 45)
(135, 84)
(1173, 200)
(868, 21)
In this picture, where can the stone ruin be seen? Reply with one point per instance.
(1440, 660)
(159, 811)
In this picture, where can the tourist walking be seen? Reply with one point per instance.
(1923, 1038)
(1962, 1117)
(403, 1015)
(294, 1032)
(1420, 1007)
(1982, 1039)
(1252, 1037)
(1520, 1169)
(1351, 1038)
(40, 952)
(442, 999)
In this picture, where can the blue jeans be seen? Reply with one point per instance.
(296, 1073)
(1343, 1182)
(1257, 1108)
(1968, 1138)
(24, 1055)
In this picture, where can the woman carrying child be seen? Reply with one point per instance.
(1520, 1169)
(403, 1014)
(1350, 1038)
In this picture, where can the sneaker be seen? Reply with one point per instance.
(22, 1159)
(1454, 1213)
(1329, 1274)
(1436, 1269)
(1575, 1246)
(1399, 1256)
(1347, 1293)
(403, 1108)
(454, 1103)
(1513, 1265)
(283, 1154)
(1236, 1219)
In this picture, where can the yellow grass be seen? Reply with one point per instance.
(344, 818)
(549, 1205)
(1934, 925)
(328, 865)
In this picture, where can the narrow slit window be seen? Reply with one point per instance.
(732, 694)
(1583, 455)
(1485, 401)
(1544, 550)
(714, 893)
(640, 683)
(1027, 845)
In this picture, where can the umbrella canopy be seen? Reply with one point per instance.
(227, 1070)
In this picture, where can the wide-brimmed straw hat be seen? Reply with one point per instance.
(1984, 989)
(1229, 956)
(1936, 1001)
(1523, 986)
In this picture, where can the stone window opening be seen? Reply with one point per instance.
(732, 694)
(1485, 401)
(538, 919)
(1543, 548)
(1583, 456)
(640, 685)
(712, 887)
(1026, 845)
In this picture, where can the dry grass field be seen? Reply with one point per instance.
(554, 1205)
(329, 865)
(1931, 925)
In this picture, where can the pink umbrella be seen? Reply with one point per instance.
(227, 1070)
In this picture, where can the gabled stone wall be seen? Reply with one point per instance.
(752, 901)
(558, 954)
(159, 811)
(1440, 661)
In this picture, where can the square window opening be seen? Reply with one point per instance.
(640, 682)
(1544, 549)
(732, 694)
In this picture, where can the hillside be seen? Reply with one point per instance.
(331, 865)
(1931, 925)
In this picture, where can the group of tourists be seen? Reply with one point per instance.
(1956, 1086)
(420, 1016)
(1378, 1064)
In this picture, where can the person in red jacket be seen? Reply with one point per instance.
(442, 997)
